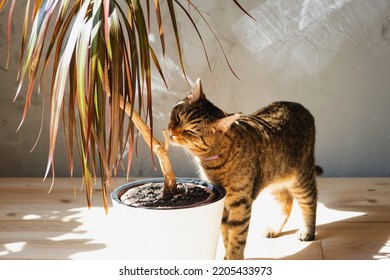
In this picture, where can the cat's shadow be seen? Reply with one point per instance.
(357, 231)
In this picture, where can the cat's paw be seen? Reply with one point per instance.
(270, 233)
(306, 236)
(233, 257)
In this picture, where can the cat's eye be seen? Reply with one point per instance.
(190, 132)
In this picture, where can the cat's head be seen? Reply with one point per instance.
(196, 124)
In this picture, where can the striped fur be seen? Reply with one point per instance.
(272, 148)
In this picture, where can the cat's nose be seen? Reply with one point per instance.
(172, 133)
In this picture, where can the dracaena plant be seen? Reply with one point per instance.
(95, 60)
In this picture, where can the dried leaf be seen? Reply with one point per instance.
(197, 31)
(176, 32)
(160, 25)
(242, 9)
(216, 38)
(9, 28)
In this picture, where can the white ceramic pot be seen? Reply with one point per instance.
(187, 233)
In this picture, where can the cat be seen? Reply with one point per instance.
(271, 148)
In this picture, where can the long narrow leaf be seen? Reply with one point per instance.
(61, 22)
(216, 38)
(106, 8)
(242, 9)
(82, 54)
(157, 65)
(145, 65)
(34, 51)
(60, 80)
(97, 99)
(197, 31)
(176, 32)
(9, 28)
(70, 126)
(116, 86)
(160, 25)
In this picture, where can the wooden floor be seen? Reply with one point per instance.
(353, 223)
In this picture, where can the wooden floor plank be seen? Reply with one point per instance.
(342, 192)
(355, 241)
(49, 249)
(285, 249)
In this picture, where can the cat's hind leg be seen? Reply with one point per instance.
(280, 209)
(306, 196)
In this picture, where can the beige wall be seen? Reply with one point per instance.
(332, 56)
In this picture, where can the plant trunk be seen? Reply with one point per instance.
(160, 149)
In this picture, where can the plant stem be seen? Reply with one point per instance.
(160, 149)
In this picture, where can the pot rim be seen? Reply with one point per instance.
(218, 190)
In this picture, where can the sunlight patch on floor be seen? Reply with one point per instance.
(32, 217)
(101, 235)
(287, 245)
(327, 215)
(384, 253)
(14, 247)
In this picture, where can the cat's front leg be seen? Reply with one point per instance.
(235, 227)
(225, 228)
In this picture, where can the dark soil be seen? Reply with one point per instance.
(150, 196)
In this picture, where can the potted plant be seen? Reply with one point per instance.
(99, 60)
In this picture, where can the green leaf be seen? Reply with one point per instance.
(58, 90)
(34, 50)
(61, 23)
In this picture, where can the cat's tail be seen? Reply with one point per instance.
(319, 170)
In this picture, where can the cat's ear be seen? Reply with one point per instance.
(224, 123)
(196, 92)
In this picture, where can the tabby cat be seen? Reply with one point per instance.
(272, 148)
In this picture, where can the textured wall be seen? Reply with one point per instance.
(332, 56)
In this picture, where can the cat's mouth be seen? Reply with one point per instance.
(177, 138)
(173, 138)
